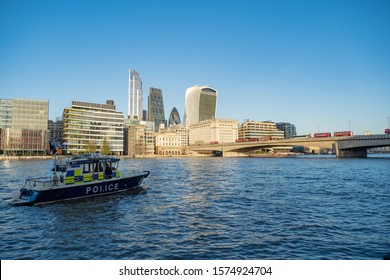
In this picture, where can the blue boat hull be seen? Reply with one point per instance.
(75, 191)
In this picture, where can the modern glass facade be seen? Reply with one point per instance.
(136, 96)
(288, 128)
(89, 127)
(174, 117)
(6, 113)
(156, 108)
(24, 127)
(200, 104)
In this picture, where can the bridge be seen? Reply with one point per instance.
(344, 146)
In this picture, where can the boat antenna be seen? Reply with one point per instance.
(55, 163)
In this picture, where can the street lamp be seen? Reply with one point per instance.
(349, 125)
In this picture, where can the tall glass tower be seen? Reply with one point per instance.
(136, 97)
(200, 104)
(174, 117)
(156, 108)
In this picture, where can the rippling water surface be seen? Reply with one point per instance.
(211, 208)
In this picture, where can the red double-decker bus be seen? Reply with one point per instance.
(322, 134)
(343, 133)
(247, 140)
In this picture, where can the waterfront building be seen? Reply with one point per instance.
(24, 127)
(91, 127)
(139, 140)
(55, 128)
(174, 117)
(156, 112)
(213, 131)
(259, 130)
(288, 129)
(6, 113)
(200, 104)
(168, 144)
(182, 131)
(136, 98)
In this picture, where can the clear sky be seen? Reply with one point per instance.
(319, 64)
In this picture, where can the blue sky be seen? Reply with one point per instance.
(317, 64)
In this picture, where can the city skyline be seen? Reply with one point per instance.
(322, 65)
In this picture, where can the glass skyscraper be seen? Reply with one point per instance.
(200, 104)
(156, 108)
(288, 128)
(174, 117)
(136, 97)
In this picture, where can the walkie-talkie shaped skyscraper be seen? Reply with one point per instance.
(200, 104)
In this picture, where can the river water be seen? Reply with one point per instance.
(211, 208)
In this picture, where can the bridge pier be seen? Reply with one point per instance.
(234, 154)
(351, 153)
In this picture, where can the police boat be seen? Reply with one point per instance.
(83, 176)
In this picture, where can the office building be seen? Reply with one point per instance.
(200, 104)
(174, 117)
(179, 130)
(213, 131)
(156, 112)
(182, 131)
(136, 98)
(139, 140)
(24, 127)
(266, 130)
(288, 129)
(91, 127)
(55, 128)
(168, 144)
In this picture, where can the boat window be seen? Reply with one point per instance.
(87, 168)
(99, 167)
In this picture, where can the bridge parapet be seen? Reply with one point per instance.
(345, 146)
(364, 142)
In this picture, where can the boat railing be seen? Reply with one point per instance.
(131, 173)
(42, 182)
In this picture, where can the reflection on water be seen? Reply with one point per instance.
(211, 208)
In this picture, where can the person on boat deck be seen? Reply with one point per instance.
(108, 171)
(99, 167)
